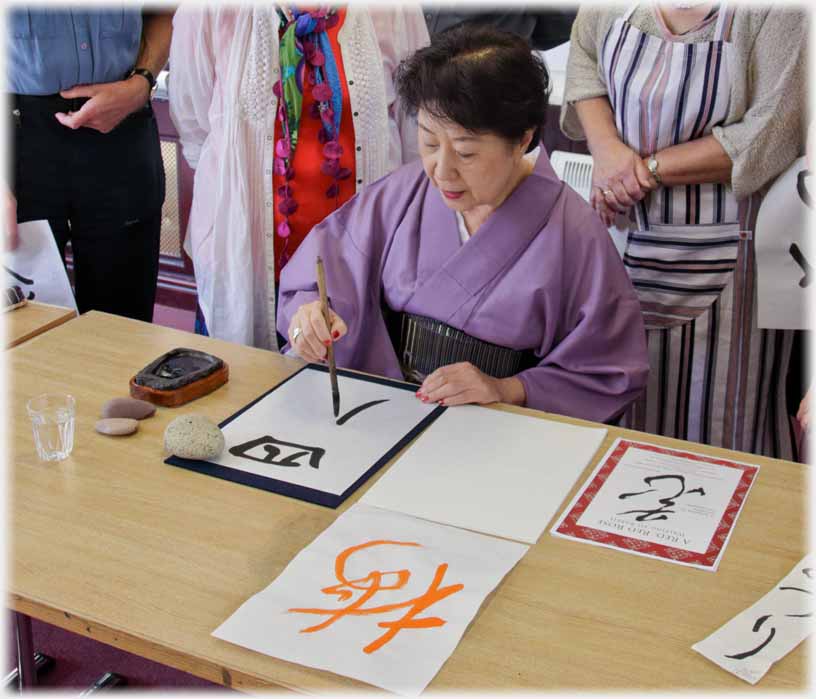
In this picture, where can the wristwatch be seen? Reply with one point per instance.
(146, 74)
(652, 165)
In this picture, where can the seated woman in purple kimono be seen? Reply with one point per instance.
(475, 271)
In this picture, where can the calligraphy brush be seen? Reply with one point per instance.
(324, 307)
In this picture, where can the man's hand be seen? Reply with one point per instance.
(109, 103)
(803, 415)
(11, 239)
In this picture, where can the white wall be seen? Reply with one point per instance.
(556, 60)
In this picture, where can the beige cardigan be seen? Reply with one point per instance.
(766, 126)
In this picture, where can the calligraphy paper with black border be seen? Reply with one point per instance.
(266, 450)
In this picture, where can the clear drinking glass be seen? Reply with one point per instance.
(52, 419)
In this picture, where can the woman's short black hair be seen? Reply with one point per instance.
(482, 78)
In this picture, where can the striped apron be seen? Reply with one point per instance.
(715, 377)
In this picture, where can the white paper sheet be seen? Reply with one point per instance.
(291, 434)
(36, 267)
(490, 471)
(659, 502)
(768, 630)
(435, 576)
(785, 286)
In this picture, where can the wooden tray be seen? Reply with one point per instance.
(180, 396)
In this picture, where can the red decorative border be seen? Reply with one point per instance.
(569, 525)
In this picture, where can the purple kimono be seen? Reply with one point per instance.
(541, 273)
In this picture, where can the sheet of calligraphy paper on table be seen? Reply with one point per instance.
(36, 267)
(768, 630)
(675, 505)
(289, 440)
(487, 470)
(378, 596)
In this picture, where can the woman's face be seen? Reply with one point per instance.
(469, 170)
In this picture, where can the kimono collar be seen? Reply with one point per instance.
(497, 244)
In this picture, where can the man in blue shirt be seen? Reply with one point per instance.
(85, 145)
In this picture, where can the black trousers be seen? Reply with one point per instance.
(101, 192)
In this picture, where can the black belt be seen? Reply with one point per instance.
(426, 344)
(51, 104)
(48, 103)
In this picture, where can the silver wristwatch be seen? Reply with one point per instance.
(652, 165)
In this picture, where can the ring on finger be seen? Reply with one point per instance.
(607, 192)
(295, 333)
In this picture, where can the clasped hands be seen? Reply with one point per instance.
(620, 179)
(454, 384)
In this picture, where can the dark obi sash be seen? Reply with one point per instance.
(424, 344)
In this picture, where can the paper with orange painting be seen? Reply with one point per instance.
(379, 596)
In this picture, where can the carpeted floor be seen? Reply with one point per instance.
(80, 661)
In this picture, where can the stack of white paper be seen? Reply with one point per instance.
(490, 471)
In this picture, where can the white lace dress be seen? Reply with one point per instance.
(223, 64)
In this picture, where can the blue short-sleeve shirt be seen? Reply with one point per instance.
(53, 49)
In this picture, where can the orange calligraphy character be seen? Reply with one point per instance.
(373, 583)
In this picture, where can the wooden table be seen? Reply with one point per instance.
(115, 545)
(33, 319)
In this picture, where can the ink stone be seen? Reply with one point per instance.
(178, 368)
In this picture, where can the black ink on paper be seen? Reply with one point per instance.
(268, 450)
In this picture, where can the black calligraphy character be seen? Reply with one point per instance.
(808, 573)
(800, 260)
(665, 503)
(354, 411)
(271, 449)
(757, 626)
(23, 280)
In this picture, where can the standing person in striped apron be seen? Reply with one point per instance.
(690, 110)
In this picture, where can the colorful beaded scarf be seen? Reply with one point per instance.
(307, 61)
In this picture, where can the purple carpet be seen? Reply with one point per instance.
(80, 661)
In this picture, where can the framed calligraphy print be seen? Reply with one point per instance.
(664, 503)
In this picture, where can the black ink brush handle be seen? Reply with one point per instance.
(324, 306)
